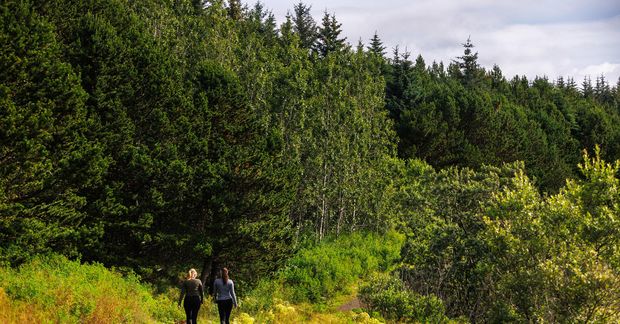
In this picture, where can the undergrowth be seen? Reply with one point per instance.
(53, 289)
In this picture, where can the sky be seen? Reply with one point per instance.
(552, 38)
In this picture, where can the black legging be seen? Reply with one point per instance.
(224, 307)
(191, 305)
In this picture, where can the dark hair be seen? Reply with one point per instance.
(225, 275)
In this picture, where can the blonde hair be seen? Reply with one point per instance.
(192, 274)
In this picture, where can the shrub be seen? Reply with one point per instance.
(388, 295)
(332, 267)
(56, 289)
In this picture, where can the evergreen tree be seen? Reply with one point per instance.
(47, 156)
(262, 22)
(570, 84)
(376, 46)
(587, 91)
(617, 94)
(235, 11)
(304, 25)
(151, 135)
(287, 30)
(327, 40)
(602, 91)
(560, 83)
(468, 64)
(497, 78)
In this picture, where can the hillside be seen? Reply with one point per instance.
(139, 139)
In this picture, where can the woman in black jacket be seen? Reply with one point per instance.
(193, 292)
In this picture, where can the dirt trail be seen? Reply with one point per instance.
(350, 305)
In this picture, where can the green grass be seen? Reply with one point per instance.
(53, 289)
(316, 278)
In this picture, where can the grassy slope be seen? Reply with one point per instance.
(54, 289)
(310, 289)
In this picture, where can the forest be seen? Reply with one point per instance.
(148, 137)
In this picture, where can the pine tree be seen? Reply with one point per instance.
(560, 83)
(264, 22)
(329, 32)
(617, 94)
(360, 46)
(235, 10)
(468, 64)
(376, 46)
(420, 64)
(571, 85)
(587, 91)
(602, 91)
(287, 29)
(47, 157)
(304, 25)
(496, 76)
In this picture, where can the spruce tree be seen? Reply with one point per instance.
(48, 158)
(328, 37)
(617, 94)
(376, 46)
(587, 91)
(287, 30)
(560, 83)
(304, 25)
(468, 64)
(571, 85)
(235, 10)
(262, 21)
(497, 78)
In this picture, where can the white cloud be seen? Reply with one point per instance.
(564, 49)
(526, 37)
(599, 69)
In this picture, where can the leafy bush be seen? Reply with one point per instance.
(329, 268)
(322, 273)
(495, 250)
(388, 295)
(53, 288)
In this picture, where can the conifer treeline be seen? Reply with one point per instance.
(151, 134)
(466, 115)
(156, 134)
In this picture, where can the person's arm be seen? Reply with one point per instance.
(182, 293)
(201, 292)
(215, 289)
(232, 293)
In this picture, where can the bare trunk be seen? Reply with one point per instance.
(209, 272)
(353, 217)
(340, 214)
(323, 220)
(205, 274)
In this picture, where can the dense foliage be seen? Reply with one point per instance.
(153, 136)
(166, 135)
(465, 115)
(492, 248)
(318, 274)
(389, 296)
(55, 289)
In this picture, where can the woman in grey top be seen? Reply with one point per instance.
(193, 292)
(224, 290)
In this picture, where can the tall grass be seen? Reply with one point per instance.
(318, 275)
(53, 289)
(330, 268)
